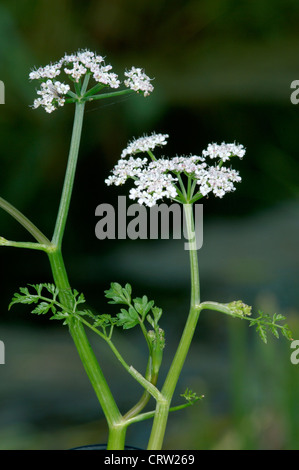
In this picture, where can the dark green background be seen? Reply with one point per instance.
(222, 72)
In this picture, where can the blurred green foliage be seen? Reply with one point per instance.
(222, 72)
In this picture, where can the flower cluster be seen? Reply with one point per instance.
(217, 180)
(157, 179)
(77, 65)
(144, 144)
(87, 61)
(137, 80)
(224, 151)
(51, 93)
(131, 168)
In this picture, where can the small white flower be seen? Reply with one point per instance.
(145, 143)
(76, 72)
(224, 151)
(137, 80)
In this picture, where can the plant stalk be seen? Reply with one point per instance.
(69, 176)
(162, 408)
(76, 329)
(25, 222)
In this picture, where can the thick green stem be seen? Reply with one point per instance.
(149, 379)
(90, 363)
(85, 351)
(162, 409)
(117, 436)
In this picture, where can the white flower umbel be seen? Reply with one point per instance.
(51, 94)
(75, 67)
(157, 179)
(152, 185)
(49, 71)
(124, 169)
(217, 180)
(144, 144)
(224, 151)
(138, 81)
(150, 179)
(87, 61)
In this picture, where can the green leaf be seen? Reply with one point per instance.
(43, 308)
(274, 330)
(157, 312)
(143, 306)
(24, 291)
(286, 332)
(262, 332)
(151, 321)
(61, 316)
(80, 299)
(128, 289)
(118, 294)
(264, 323)
(46, 301)
(26, 298)
(127, 318)
(136, 313)
(86, 312)
(51, 288)
(278, 317)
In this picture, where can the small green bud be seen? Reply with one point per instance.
(239, 308)
(157, 339)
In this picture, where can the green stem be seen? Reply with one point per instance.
(142, 402)
(86, 354)
(218, 307)
(76, 329)
(182, 187)
(114, 94)
(189, 194)
(28, 245)
(26, 223)
(69, 176)
(149, 380)
(197, 196)
(162, 409)
(95, 89)
(151, 414)
(117, 436)
(150, 153)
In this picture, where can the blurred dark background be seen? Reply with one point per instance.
(222, 72)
